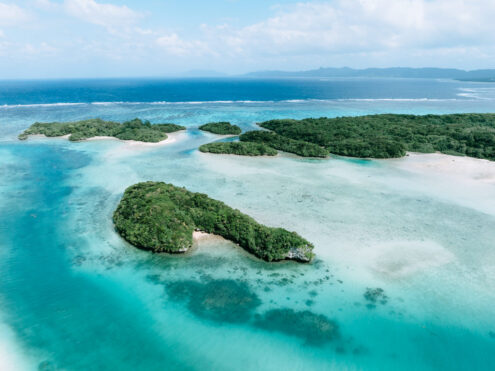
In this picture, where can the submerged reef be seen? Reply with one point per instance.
(162, 218)
(239, 148)
(374, 297)
(217, 300)
(85, 129)
(221, 128)
(314, 329)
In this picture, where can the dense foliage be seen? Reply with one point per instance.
(80, 130)
(390, 135)
(223, 128)
(161, 217)
(285, 144)
(239, 148)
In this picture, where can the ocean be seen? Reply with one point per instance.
(74, 296)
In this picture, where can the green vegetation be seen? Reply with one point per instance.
(80, 130)
(161, 217)
(239, 148)
(223, 128)
(285, 144)
(373, 136)
(390, 135)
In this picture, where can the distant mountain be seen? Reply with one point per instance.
(398, 72)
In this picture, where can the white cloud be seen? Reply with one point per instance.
(46, 4)
(359, 33)
(356, 27)
(370, 25)
(174, 45)
(12, 15)
(108, 15)
(40, 49)
(144, 31)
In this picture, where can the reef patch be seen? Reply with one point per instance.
(217, 300)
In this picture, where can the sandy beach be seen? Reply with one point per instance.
(203, 237)
(171, 138)
(467, 168)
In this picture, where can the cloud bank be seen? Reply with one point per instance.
(358, 33)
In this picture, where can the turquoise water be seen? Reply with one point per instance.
(74, 296)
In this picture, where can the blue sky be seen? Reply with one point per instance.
(106, 38)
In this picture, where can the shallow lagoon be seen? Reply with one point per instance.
(74, 296)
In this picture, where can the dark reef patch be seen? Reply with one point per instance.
(374, 297)
(46, 366)
(314, 329)
(217, 300)
(309, 302)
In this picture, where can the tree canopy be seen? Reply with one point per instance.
(79, 130)
(162, 217)
(222, 128)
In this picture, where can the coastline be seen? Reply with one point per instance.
(242, 156)
(171, 138)
(439, 164)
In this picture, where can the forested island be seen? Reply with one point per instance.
(221, 128)
(161, 217)
(380, 136)
(391, 135)
(371, 136)
(283, 143)
(239, 148)
(138, 130)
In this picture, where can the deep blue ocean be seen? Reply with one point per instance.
(74, 296)
(224, 90)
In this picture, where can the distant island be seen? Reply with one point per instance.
(80, 130)
(479, 79)
(221, 128)
(161, 217)
(239, 148)
(487, 75)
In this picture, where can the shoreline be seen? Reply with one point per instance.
(232, 154)
(440, 164)
(171, 138)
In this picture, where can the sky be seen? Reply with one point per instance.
(133, 38)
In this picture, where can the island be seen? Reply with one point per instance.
(161, 217)
(239, 148)
(80, 130)
(221, 128)
(381, 136)
(283, 143)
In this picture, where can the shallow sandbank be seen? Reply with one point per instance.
(171, 138)
(457, 166)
